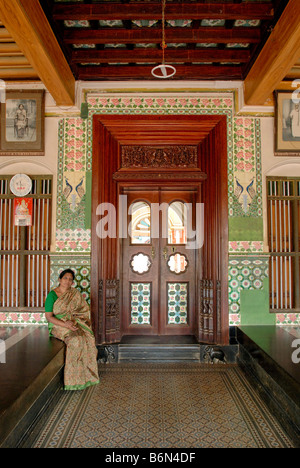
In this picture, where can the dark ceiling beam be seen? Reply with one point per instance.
(154, 35)
(173, 11)
(188, 72)
(148, 55)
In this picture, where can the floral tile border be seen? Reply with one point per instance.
(69, 240)
(173, 102)
(288, 319)
(22, 318)
(291, 320)
(246, 247)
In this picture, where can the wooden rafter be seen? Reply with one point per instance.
(153, 11)
(27, 24)
(13, 64)
(173, 35)
(191, 72)
(148, 55)
(24, 73)
(10, 48)
(280, 53)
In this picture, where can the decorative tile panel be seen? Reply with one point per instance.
(245, 192)
(81, 265)
(140, 303)
(178, 303)
(244, 273)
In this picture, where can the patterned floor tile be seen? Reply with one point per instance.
(164, 406)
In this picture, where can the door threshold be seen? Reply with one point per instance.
(159, 340)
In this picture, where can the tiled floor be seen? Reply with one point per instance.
(143, 405)
(164, 406)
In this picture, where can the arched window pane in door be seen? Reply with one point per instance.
(140, 223)
(177, 223)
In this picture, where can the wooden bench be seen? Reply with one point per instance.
(30, 379)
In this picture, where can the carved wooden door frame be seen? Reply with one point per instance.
(170, 151)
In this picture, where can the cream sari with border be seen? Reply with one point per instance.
(81, 369)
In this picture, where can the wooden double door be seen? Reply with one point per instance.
(159, 264)
(140, 149)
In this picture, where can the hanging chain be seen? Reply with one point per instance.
(163, 44)
(164, 69)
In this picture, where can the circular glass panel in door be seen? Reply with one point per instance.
(178, 263)
(140, 263)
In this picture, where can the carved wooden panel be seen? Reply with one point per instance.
(112, 309)
(206, 311)
(163, 157)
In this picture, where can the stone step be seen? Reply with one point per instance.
(155, 353)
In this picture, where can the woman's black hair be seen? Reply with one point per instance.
(68, 270)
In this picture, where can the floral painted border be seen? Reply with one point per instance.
(288, 319)
(22, 318)
(246, 247)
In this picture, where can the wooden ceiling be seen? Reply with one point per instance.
(13, 63)
(61, 41)
(113, 40)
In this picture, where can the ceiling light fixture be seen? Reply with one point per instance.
(163, 71)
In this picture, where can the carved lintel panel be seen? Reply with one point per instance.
(162, 175)
(164, 157)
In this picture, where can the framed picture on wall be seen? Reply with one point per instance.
(287, 123)
(22, 123)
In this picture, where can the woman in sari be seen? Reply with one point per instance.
(68, 317)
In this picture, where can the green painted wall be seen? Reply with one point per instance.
(255, 306)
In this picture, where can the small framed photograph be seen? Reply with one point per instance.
(287, 123)
(22, 123)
